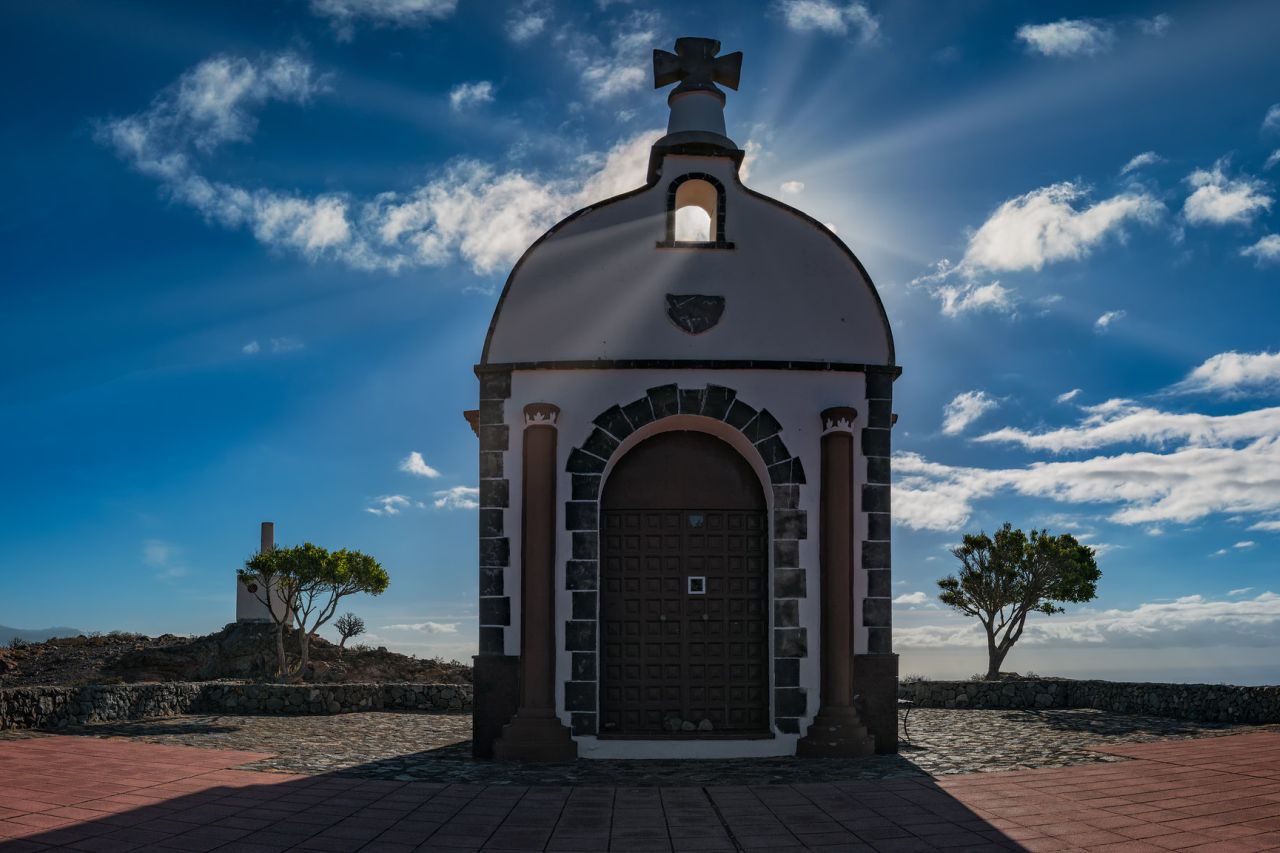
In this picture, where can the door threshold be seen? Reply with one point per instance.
(690, 736)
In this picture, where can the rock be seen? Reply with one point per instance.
(671, 724)
(687, 726)
(705, 726)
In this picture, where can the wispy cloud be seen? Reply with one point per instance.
(1107, 320)
(459, 497)
(964, 409)
(1234, 374)
(1146, 158)
(1271, 121)
(1067, 38)
(1265, 251)
(470, 212)
(1156, 26)
(1188, 621)
(832, 18)
(165, 558)
(467, 95)
(1220, 200)
(914, 598)
(388, 505)
(415, 464)
(251, 348)
(792, 187)
(427, 627)
(1067, 396)
(966, 297)
(343, 15)
(526, 21)
(622, 65)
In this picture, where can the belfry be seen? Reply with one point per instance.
(684, 420)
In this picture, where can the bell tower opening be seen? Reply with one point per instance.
(695, 212)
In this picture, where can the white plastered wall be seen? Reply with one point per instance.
(795, 398)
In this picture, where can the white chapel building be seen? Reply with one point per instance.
(684, 422)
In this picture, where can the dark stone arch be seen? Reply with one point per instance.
(787, 526)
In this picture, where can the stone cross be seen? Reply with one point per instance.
(695, 66)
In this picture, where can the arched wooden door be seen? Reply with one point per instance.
(684, 592)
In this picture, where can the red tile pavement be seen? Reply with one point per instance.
(69, 793)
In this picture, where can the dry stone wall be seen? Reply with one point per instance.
(58, 707)
(1207, 703)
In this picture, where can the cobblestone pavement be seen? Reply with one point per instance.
(436, 747)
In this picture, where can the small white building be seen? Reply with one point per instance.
(684, 463)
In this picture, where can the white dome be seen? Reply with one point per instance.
(596, 285)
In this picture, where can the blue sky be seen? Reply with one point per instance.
(251, 250)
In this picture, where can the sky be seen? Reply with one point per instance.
(252, 248)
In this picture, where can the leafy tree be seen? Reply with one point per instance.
(349, 625)
(307, 582)
(1005, 577)
(336, 575)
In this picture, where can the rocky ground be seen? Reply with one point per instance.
(237, 652)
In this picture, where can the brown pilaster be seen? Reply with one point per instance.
(837, 730)
(536, 733)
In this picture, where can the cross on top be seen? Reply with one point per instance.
(696, 67)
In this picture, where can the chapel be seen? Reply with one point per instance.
(685, 405)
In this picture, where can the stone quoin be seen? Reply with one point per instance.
(684, 423)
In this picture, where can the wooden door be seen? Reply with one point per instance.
(684, 592)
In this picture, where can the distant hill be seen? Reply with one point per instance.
(32, 635)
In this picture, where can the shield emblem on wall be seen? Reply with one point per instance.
(693, 313)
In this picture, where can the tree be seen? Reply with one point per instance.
(1004, 578)
(333, 577)
(349, 625)
(301, 587)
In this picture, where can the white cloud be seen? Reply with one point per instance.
(427, 627)
(1234, 374)
(1125, 422)
(1043, 226)
(1067, 38)
(1188, 621)
(1067, 396)
(251, 348)
(343, 14)
(832, 18)
(1157, 26)
(1247, 543)
(1221, 552)
(1244, 590)
(415, 464)
(1218, 464)
(1272, 159)
(1108, 319)
(459, 497)
(1219, 200)
(964, 409)
(527, 21)
(388, 505)
(1265, 251)
(1271, 121)
(911, 598)
(960, 299)
(622, 66)
(470, 211)
(1146, 158)
(466, 95)
(792, 187)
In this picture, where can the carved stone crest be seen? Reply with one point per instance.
(693, 313)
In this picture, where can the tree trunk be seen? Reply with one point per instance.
(995, 655)
(282, 660)
(304, 652)
(342, 644)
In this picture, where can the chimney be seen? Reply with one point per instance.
(268, 536)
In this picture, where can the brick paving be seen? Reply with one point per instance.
(436, 747)
(113, 794)
(108, 794)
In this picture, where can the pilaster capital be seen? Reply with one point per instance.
(838, 419)
(541, 414)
